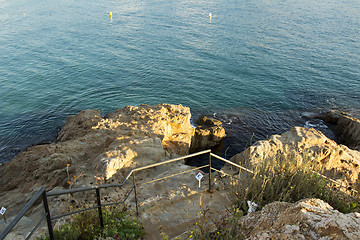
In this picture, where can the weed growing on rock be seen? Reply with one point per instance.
(85, 226)
(289, 178)
(69, 182)
(226, 229)
(280, 178)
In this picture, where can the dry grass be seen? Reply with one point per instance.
(289, 178)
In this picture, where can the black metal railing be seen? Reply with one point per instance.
(40, 194)
(44, 195)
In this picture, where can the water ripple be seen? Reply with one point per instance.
(263, 58)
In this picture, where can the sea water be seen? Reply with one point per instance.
(256, 65)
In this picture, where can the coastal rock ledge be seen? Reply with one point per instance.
(305, 219)
(91, 149)
(336, 161)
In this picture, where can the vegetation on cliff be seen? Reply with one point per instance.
(86, 226)
(278, 178)
(290, 179)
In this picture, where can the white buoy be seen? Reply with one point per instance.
(23, 14)
(210, 15)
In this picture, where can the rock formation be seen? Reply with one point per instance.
(306, 219)
(91, 149)
(208, 134)
(346, 127)
(338, 161)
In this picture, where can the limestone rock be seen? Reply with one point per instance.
(338, 161)
(79, 125)
(205, 121)
(209, 133)
(91, 149)
(305, 219)
(348, 129)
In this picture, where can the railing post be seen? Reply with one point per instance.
(136, 202)
(98, 197)
(210, 185)
(48, 217)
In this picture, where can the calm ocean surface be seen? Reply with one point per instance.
(256, 65)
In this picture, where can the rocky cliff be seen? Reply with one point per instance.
(337, 161)
(346, 127)
(91, 149)
(306, 219)
(208, 133)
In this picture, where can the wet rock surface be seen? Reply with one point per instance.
(208, 133)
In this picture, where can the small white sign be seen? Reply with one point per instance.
(2, 211)
(199, 176)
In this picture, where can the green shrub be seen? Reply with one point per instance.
(86, 225)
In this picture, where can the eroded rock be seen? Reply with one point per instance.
(91, 149)
(79, 125)
(348, 129)
(209, 133)
(305, 219)
(338, 161)
(330, 117)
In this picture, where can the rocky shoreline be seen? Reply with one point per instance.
(91, 149)
(104, 149)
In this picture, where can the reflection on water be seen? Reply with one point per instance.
(271, 58)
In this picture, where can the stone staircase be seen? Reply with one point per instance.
(174, 206)
(176, 218)
(169, 208)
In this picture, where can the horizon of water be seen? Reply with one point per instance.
(255, 65)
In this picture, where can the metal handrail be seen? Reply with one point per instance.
(131, 173)
(83, 189)
(22, 213)
(99, 205)
(45, 194)
(162, 163)
(231, 163)
(336, 182)
(176, 174)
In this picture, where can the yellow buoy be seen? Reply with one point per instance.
(210, 15)
(110, 14)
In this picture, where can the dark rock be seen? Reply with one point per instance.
(348, 129)
(330, 117)
(208, 134)
(204, 121)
